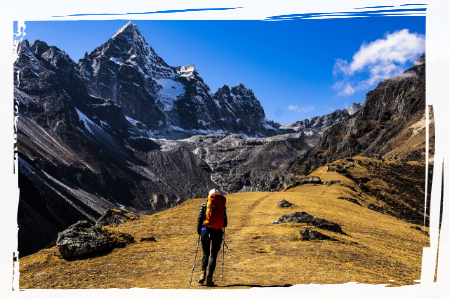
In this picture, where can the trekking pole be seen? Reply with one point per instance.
(197, 243)
(222, 260)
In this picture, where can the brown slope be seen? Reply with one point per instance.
(377, 248)
(413, 191)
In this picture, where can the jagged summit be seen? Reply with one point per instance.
(421, 60)
(128, 29)
(354, 108)
(189, 72)
(171, 102)
(322, 122)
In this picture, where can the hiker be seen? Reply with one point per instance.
(212, 220)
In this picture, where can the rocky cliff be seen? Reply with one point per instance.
(322, 122)
(391, 123)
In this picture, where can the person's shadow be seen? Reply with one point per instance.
(285, 287)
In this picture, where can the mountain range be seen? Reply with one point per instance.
(122, 129)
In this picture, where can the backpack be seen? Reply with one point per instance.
(216, 205)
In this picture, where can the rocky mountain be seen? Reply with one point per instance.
(83, 146)
(171, 102)
(239, 164)
(391, 123)
(122, 129)
(322, 122)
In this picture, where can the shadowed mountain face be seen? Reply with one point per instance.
(83, 131)
(28, 220)
(391, 123)
(171, 102)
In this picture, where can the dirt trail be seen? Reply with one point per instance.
(377, 249)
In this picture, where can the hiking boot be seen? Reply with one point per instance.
(202, 277)
(209, 282)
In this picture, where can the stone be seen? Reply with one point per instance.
(310, 234)
(82, 239)
(284, 204)
(303, 217)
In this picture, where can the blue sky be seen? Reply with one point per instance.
(297, 69)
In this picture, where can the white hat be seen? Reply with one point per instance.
(213, 191)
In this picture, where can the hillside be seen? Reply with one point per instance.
(377, 246)
(391, 123)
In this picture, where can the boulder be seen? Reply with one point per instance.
(310, 234)
(114, 217)
(284, 204)
(303, 217)
(82, 239)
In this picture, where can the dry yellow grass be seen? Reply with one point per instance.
(378, 248)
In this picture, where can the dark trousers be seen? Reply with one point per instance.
(209, 236)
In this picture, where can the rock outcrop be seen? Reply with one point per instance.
(303, 217)
(310, 234)
(82, 239)
(284, 204)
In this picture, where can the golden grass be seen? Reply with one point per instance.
(377, 248)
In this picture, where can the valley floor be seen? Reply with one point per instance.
(377, 248)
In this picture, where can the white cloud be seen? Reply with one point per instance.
(379, 59)
(300, 109)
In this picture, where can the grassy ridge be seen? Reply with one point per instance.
(377, 249)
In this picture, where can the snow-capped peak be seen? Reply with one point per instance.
(128, 27)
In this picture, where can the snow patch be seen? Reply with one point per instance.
(169, 93)
(116, 60)
(87, 122)
(131, 120)
(122, 29)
